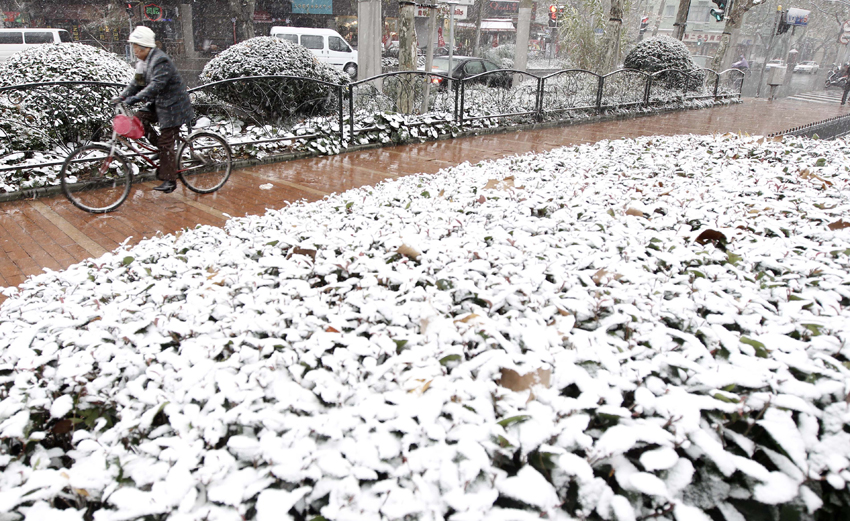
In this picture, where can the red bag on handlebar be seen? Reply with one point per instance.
(127, 126)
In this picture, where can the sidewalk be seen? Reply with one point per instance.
(50, 233)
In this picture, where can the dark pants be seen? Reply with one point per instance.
(167, 170)
(846, 90)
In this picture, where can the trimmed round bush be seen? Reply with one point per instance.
(273, 98)
(660, 53)
(58, 115)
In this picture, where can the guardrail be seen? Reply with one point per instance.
(283, 113)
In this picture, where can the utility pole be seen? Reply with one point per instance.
(369, 38)
(523, 28)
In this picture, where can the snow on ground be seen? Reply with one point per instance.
(682, 303)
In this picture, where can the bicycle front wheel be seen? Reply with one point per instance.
(95, 180)
(204, 161)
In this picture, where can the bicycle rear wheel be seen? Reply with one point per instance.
(204, 162)
(95, 181)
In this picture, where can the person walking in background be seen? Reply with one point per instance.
(158, 84)
(741, 64)
(845, 74)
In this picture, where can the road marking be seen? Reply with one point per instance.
(94, 249)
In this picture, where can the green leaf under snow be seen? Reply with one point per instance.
(514, 419)
(449, 358)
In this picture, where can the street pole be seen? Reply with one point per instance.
(767, 51)
(429, 57)
(451, 33)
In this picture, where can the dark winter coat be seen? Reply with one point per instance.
(163, 87)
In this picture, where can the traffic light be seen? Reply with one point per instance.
(783, 24)
(644, 23)
(130, 9)
(723, 7)
(553, 16)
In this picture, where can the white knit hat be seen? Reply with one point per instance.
(143, 36)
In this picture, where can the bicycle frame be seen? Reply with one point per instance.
(128, 142)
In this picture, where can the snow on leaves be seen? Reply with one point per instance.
(306, 362)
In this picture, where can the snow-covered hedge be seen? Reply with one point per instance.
(267, 56)
(686, 299)
(41, 117)
(503, 55)
(663, 52)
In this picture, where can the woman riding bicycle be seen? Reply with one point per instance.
(158, 84)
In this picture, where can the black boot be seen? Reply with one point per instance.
(166, 187)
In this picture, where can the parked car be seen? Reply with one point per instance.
(809, 67)
(327, 45)
(466, 66)
(17, 40)
(775, 63)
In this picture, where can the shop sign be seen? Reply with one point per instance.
(262, 17)
(12, 16)
(694, 37)
(153, 12)
(797, 16)
(312, 6)
(503, 8)
(460, 11)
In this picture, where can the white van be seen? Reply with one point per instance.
(326, 44)
(17, 40)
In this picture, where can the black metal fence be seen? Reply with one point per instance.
(279, 113)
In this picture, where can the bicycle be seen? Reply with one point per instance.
(97, 177)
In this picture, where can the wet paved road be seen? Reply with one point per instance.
(51, 233)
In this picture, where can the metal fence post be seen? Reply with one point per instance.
(351, 111)
(599, 94)
(341, 115)
(647, 89)
(539, 107)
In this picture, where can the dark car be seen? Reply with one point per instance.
(466, 66)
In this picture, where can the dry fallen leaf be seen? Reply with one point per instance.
(713, 236)
(303, 251)
(467, 318)
(408, 251)
(500, 184)
(635, 212)
(839, 225)
(600, 276)
(514, 381)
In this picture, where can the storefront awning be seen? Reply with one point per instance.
(496, 26)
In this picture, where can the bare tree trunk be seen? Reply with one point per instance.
(406, 52)
(734, 21)
(658, 18)
(681, 19)
(612, 36)
(243, 12)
